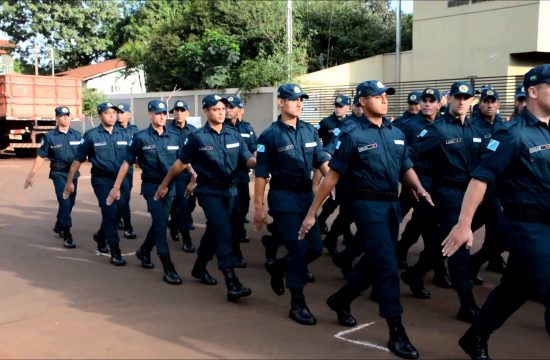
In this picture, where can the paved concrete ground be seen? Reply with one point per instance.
(60, 303)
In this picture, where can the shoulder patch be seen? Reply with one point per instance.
(423, 133)
(317, 126)
(493, 145)
(336, 131)
(338, 144)
(261, 148)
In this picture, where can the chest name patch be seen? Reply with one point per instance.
(233, 145)
(399, 142)
(367, 147)
(102, 143)
(245, 135)
(453, 141)
(122, 142)
(476, 140)
(311, 144)
(538, 148)
(57, 146)
(285, 148)
(206, 148)
(74, 142)
(172, 147)
(149, 147)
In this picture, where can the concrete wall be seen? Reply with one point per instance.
(117, 83)
(260, 104)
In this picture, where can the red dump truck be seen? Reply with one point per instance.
(27, 104)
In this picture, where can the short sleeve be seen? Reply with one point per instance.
(263, 157)
(498, 154)
(342, 154)
(84, 148)
(187, 151)
(44, 147)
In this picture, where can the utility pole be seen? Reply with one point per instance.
(35, 59)
(398, 43)
(53, 61)
(289, 37)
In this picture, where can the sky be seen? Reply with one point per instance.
(406, 5)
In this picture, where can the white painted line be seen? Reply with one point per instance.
(109, 254)
(84, 177)
(9, 166)
(4, 225)
(341, 334)
(74, 259)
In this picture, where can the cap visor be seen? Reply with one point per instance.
(390, 91)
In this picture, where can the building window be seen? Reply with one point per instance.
(453, 3)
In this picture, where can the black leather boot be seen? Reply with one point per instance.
(271, 247)
(116, 256)
(547, 320)
(188, 246)
(442, 280)
(145, 258)
(68, 241)
(474, 345)
(170, 275)
(339, 302)
(401, 250)
(496, 264)
(57, 229)
(399, 342)
(330, 244)
(276, 268)
(99, 238)
(299, 311)
(468, 307)
(199, 272)
(416, 284)
(310, 278)
(235, 290)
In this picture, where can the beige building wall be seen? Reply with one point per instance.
(491, 38)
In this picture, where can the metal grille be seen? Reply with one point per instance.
(321, 99)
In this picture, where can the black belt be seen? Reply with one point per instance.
(221, 185)
(518, 213)
(151, 179)
(374, 195)
(58, 166)
(101, 174)
(291, 187)
(461, 185)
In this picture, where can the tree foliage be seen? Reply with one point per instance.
(91, 98)
(191, 44)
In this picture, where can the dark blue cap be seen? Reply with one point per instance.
(105, 106)
(414, 97)
(373, 88)
(180, 104)
(122, 108)
(462, 87)
(520, 92)
(213, 99)
(484, 87)
(341, 100)
(62, 110)
(291, 91)
(356, 100)
(157, 106)
(537, 75)
(430, 91)
(234, 101)
(489, 92)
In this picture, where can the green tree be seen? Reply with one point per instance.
(80, 32)
(91, 98)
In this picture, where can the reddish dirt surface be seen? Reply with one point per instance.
(60, 303)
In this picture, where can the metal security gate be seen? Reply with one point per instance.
(321, 99)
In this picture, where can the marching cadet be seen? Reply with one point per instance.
(234, 114)
(288, 151)
(214, 151)
(59, 146)
(517, 159)
(183, 204)
(519, 101)
(444, 103)
(357, 110)
(125, 215)
(422, 220)
(156, 150)
(105, 147)
(413, 107)
(452, 146)
(327, 129)
(374, 158)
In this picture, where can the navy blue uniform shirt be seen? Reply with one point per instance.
(403, 119)
(249, 136)
(155, 153)
(372, 158)
(518, 160)
(348, 124)
(328, 127)
(60, 148)
(183, 133)
(289, 155)
(452, 149)
(215, 157)
(130, 129)
(487, 128)
(106, 151)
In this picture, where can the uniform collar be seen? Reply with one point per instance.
(228, 123)
(299, 123)
(175, 126)
(115, 129)
(366, 122)
(452, 118)
(209, 128)
(60, 132)
(530, 118)
(154, 132)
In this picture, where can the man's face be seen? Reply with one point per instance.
(375, 105)
(444, 101)
(340, 111)
(357, 110)
(216, 113)
(63, 120)
(460, 103)
(124, 117)
(489, 106)
(180, 115)
(108, 117)
(429, 106)
(542, 93)
(232, 112)
(290, 108)
(520, 103)
(158, 120)
(413, 108)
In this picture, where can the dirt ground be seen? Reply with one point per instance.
(61, 303)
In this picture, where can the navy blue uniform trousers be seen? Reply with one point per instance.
(65, 205)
